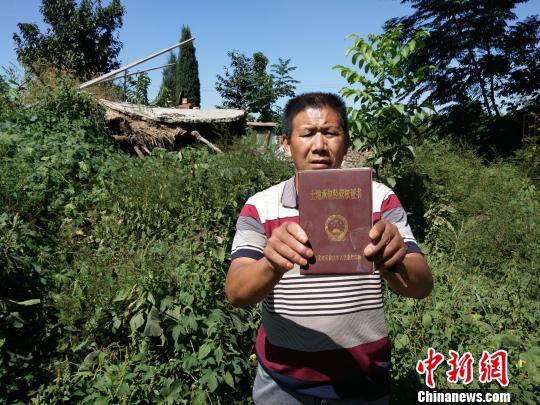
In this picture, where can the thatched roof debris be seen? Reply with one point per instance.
(175, 115)
(142, 128)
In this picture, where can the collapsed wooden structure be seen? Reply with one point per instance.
(144, 128)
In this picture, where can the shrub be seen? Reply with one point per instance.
(111, 287)
(114, 266)
(482, 239)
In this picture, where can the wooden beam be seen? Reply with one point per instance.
(138, 152)
(138, 62)
(110, 79)
(200, 138)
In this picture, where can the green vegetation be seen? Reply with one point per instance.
(81, 38)
(181, 80)
(497, 63)
(137, 88)
(482, 236)
(247, 85)
(487, 73)
(166, 94)
(113, 267)
(384, 120)
(187, 72)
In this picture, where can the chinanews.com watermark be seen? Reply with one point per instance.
(492, 367)
(462, 397)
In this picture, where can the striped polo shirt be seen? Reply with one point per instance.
(321, 335)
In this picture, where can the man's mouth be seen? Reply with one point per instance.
(320, 163)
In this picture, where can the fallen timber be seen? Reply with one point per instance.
(143, 128)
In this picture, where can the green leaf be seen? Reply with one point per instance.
(204, 350)
(190, 362)
(212, 381)
(136, 322)
(122, 295)
(176, 332)
(229, 380)
(400, 108)
(199, 397)
(401, 341)
(153, 327)
(426, 320)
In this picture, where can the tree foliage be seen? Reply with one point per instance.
(187, 72)
(81, 38)
(386, 118)
(479, 56)
(167, 91)
(247, 85)
(137, 88)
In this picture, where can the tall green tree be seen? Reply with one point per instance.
(81, 37)
(187, 72)
(479, 55)
(167, 92)
(247, 85)
(383, 117)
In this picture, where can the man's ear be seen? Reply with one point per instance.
(286, 145)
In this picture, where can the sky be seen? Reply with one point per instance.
(309, 32)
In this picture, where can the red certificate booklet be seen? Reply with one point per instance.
(335, 208)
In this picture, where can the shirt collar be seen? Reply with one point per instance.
(288, 198)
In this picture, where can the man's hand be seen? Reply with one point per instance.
(286, 247)
(249, 280)
(387, 248)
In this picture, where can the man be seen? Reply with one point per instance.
(323, 339)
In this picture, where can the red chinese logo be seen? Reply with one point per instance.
(429, 365)
(493, 367)
(461, 368)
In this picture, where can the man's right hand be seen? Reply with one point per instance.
(287, 246)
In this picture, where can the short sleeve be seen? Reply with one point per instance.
(392, 210)
(250, 237)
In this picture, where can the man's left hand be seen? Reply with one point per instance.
(387, 248)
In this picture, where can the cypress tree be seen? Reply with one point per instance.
(167, 92)
(187, 72)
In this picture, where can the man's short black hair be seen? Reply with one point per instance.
(314, 100)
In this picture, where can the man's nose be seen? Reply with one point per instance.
(319, 142)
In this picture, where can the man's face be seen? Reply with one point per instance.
(317, 140)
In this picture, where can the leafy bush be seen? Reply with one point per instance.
(482, 215)
(49, 156)
(482, 239)
(491, 137)
(386, 119)
(113, 267)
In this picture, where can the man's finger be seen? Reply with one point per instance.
(290, 254)
(292, 235)
(390, 248)
(296, 245)
(296, 230)
(376, 248)
(386, 244)
(278, 262)
(396, 258)
(377, 230)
